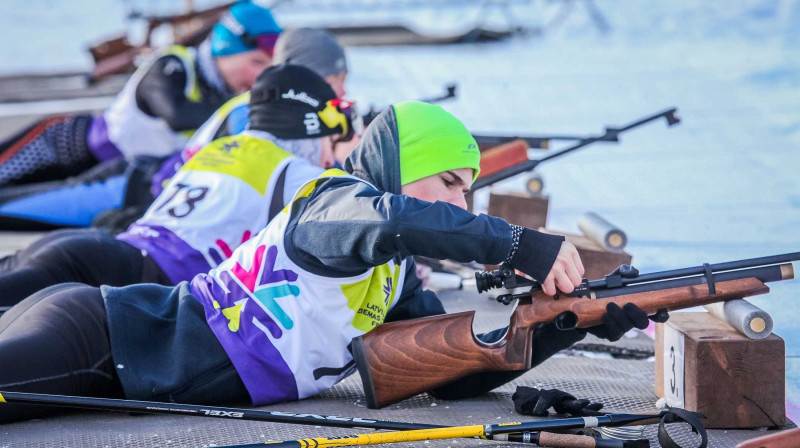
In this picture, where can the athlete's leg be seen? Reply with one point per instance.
(71, 202)
(54, 148)
(89, 256)
(56, 342)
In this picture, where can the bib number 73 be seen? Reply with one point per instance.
(183, 200)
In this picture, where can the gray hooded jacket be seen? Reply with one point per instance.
(346, 227)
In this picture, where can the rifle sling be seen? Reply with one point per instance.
(709, 278)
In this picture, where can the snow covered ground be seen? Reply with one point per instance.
(722, 185)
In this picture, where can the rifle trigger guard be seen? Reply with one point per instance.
(709, 279)
(567, 320)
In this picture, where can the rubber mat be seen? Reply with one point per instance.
(623, 385)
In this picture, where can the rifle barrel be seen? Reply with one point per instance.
(699, 270)
(766, 274)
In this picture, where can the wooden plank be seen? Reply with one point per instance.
(522, 209)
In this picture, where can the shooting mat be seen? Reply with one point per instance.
(624, 385)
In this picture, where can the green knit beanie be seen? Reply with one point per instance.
(432, 141)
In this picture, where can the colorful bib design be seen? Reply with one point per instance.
(217, 201)
(286, 330)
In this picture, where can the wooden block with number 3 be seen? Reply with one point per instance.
(705, 365)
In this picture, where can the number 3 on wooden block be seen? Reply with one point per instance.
(673, 367)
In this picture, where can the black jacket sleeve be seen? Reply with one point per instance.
(160, 93)
(347, 227)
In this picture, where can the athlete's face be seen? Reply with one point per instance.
(241, 70)
(449, 186)
(337, 83)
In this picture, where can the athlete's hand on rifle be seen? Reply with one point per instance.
(618, 321)
(566, 273)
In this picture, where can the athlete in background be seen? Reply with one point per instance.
(159, 107)
(226, 193)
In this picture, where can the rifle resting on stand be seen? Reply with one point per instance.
(503, 162)
(401, 359)
(449, 92)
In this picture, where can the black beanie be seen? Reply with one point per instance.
(285, 101)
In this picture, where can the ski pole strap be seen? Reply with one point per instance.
(681, 415)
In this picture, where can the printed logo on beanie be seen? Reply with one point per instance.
(302, 97)
(312, 123)
(230, 22)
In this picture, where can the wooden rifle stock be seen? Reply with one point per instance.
(400, 359)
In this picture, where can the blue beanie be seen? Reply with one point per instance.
(246, 26)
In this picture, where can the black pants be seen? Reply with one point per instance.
(56, 342)
(89, 256)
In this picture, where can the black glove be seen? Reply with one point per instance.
(532, 401)
(618, 321)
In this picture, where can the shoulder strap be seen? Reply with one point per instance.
(276, 204)
(187, 55)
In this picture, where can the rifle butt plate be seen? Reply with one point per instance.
(359, 356)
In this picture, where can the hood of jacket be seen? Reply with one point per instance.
(376, 158)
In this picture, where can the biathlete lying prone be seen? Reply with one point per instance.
(274, 321)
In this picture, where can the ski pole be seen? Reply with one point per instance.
(149, 407)
(498, 431)
(543, 439)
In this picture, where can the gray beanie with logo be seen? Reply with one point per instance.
(315, 49)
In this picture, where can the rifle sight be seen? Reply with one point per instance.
(505, 277)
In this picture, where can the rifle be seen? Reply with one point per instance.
(502, 171)
(449, 92)
(539, 141)
(400, 359)
(533, 141)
